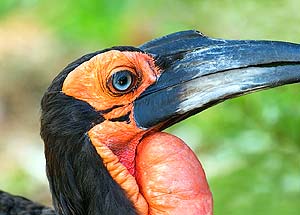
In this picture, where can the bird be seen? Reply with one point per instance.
(103, 116)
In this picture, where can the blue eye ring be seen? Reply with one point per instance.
(122, 81)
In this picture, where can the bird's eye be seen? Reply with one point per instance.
(123, 81)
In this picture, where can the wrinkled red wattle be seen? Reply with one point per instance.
(171, 178)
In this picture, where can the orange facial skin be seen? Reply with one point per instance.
(89, 81)
(144, 167)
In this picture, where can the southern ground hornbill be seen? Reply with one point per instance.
(102, 117)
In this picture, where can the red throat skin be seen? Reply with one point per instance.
(120, 138)
(171, 178)
(127, 155)
(159, 173)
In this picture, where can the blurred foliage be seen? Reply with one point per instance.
(249, 146)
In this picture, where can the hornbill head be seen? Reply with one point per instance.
(102, 117)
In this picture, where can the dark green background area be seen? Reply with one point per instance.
(249, 146)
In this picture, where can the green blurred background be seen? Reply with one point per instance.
(249, 146)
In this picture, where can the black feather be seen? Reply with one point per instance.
(16, 205)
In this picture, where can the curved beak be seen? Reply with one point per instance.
(199, 72)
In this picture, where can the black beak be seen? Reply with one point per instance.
(199, 72)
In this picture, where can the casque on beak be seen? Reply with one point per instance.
(199, 72)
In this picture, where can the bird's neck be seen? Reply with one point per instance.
(80, 183)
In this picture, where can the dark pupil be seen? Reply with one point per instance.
(122, 80)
